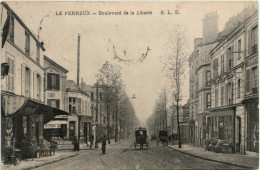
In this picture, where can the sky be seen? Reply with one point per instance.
(129, 33)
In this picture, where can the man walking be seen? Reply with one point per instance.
(104, 145)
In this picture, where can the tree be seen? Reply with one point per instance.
(174, 63)
(115, 99)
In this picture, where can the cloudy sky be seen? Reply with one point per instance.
(129, 33)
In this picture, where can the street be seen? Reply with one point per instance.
(124, 156)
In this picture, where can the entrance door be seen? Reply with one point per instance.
(72, 129)
(238, 134)
(86, 132)
(37, 133)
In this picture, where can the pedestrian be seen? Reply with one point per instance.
(103, 145)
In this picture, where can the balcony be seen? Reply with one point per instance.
(254, 49)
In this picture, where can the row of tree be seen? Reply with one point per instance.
(120, 113)
(174, 63)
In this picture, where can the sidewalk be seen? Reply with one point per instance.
(244, 161)
(37, 162)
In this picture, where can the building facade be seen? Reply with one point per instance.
(234, 73)
(200, 77)
(79, 104)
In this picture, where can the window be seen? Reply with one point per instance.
(27, 81)
(38, 93)
(254, 39)
(239, 49)
(216, 97)
(79, 105)
(222, 64)
(92, 96)
(208, 100)
(254, 80)
(37, 53)
(53, 103)
(25, 125)
(200, 102)
(11, 29)
(27, 43)
(215, 67)
(230, 58)
(53, 81)
(238, 88)
(208, 78)
(230, 93)
(72, 105)
(10, 77)
(222, 96)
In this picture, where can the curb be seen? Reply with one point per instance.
(212, 160)
(47, 163)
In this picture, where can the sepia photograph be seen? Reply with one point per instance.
(117, 85)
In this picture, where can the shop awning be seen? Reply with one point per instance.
(31, 107)
(54, 124)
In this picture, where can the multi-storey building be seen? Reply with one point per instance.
(251, 99)
(78, 104)
(232, 70)
(200, 77)
(23, 110)
(98, 114)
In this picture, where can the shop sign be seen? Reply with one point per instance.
(52, 126)
(251, 61)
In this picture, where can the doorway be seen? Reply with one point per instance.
(72, 129)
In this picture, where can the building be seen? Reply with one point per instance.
(251, 99)
(98, 110)
(200, 77)
(78, 104)
(55, 96)
(22, 99)
(234, 88)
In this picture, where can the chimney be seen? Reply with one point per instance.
(210, 27)
(78, 60)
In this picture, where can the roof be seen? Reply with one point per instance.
(23, 24)
(71, 86)
(55, 64)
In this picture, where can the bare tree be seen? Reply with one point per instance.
(174, 63)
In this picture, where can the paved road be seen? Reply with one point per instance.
(124, 156)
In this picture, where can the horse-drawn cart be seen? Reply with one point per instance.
(141, 138)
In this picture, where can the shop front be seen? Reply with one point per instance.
(221, 125)
(23, 129)
(84, 129)
(252, 126)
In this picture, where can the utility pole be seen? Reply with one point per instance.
(165, 110)
(96, 143)
(179, 132)
(116, 128)
(108, 123)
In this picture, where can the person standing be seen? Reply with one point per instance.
(104, 145)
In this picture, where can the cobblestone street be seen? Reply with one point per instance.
(124, 156)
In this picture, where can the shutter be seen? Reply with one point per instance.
(247, 80)
(49, 79)
(34, 86)
(13, 66)
(23, 79)
(58, 82)
(232, 93)
(49, 102)
(232, 56)
(226, 95)
(249, 42)
(57, 104)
